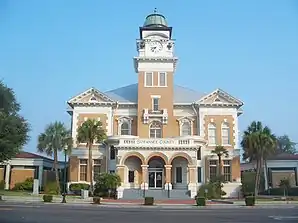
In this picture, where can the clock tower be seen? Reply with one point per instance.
(155, 66)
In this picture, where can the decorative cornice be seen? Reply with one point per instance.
(136, 148)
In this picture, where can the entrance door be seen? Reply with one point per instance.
(155, 179)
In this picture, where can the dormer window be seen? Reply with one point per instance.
(124, 126)
(186, 126)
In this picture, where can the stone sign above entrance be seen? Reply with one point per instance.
(164, 142)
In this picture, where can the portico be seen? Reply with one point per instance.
(157, 164)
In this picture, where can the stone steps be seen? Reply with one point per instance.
(157, 194)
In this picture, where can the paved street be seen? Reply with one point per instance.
(48, 213)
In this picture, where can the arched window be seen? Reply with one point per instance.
(124, 125)
(225, 134)
(212, 134)
(186, 129)
(155, 130)
(125, 128)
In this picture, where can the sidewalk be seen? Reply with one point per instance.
(139, 203)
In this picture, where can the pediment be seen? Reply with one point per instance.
(220, 97)
(90, 96)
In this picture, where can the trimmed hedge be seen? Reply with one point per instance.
(201, 201)
(280, 192)
(149, 201)
(47, 198)
(250, 201)
(77, 187)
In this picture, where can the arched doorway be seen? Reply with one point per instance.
(179, 172)
(133, 172)
(156, 173)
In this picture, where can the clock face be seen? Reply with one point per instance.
(155, 46)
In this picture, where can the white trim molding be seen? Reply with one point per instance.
(124, 119)
(184, 120)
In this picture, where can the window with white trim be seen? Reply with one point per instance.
(212, 134)
(225, 134)
(227, 171)
(155, 130)
(162, 79)
(125, 128)
(148, 79)
(96, 168)
(155, 103)
(83, 169)
(186, 129)
(124, 125)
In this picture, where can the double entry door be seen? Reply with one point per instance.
(155, 176)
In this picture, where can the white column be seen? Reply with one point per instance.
(7, 176)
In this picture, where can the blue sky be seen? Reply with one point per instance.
(52, 50)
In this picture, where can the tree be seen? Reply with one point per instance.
(91, 132)
(106, 183)
(220, 151)
(14, 128)
(258, 143)
(285, 145)
(54, 139)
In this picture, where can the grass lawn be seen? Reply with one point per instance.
(14, 193)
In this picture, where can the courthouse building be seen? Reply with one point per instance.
(160, 135)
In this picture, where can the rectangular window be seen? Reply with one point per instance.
(148, 79)
(179, 174)
(96, 168)
(162, 79)
(199, 174)
(212, 136)
(112, 153)
(199, 154)
(131, 176)
(227, 170)
(225, 137)
(155, 104)
(212, 169)
(83, 169)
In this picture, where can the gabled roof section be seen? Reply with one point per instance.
(219, 97)
(91, 96)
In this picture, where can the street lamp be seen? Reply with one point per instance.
(64, 181)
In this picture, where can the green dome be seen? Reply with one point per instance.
(155, 20)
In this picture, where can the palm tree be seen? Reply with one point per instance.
(258, 143)
(91, 132)
(220, 151)
(54, 139)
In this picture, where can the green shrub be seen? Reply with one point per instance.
(149, 201)
(47, 198)
(214, 190)
(250, 200)
(2, 185)
(248, 183)
(27, 185)
(77, 187)
(96, 200)
(201, 201)
(51, 188)
(106, 185)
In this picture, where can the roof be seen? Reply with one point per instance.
(284, 156)
(27, 155)
(129, 94)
